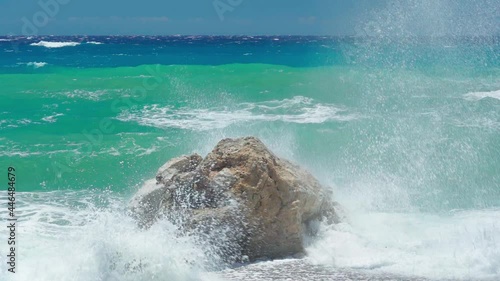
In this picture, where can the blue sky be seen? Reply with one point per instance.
(268, 17)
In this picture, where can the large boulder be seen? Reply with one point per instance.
(256, 204)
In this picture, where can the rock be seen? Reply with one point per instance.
(177, 165)
(248, 201)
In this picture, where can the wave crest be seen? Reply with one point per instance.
(300, 110)
(36, 64)
(482, 95)
(48, 44)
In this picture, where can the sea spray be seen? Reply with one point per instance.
(417, 177)
(405, 134)
(87, 235)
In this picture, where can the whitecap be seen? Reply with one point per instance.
(12, 123)
(21, 154)
(482, 95)
(52, 118)
(299, 110)
(48, 44)
(461, 245)
(36, 64)
(94, 43)
(72, 222)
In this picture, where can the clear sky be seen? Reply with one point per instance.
(267, 17)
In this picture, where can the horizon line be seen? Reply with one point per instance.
(253, 35)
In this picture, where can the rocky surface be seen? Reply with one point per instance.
(247, 200)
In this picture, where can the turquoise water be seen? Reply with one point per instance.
(112, 127)
(407, 136)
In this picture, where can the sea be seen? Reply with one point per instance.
(405, 131)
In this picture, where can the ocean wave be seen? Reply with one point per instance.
(86, 222)
(462, 245)
(95, 43)
(52, 118)
(48, 44)
(13, 123)
(482, 95)
(300, 110)
(36, 64)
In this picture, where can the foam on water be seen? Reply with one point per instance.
(416, 148)
(456, 245)
(48, 44)
(10, 123)
(483, 95)
(52, 118)
(88, 236)
(97, 95)
(299, 110)
(34, 64)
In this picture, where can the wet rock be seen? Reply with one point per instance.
(249, 202)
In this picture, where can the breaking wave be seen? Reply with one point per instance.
(483, 95)
(48, 44)
(36, 64)
(298, 110)
(72, 236)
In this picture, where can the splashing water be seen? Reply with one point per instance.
(405, 129)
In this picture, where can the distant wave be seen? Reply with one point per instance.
(95, 43)
(48, 44)
(5, 40)
(482, 95)
(300, 110)
(36, 64)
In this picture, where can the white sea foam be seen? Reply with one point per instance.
(12, 123)
(21, 154)
(52, 118)
(16, 151)
(483, 95)
(94, 43)
(36, 64)
(88, 95)
(48, 44)
(461, 245)
(299, 110)
(68, 236)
